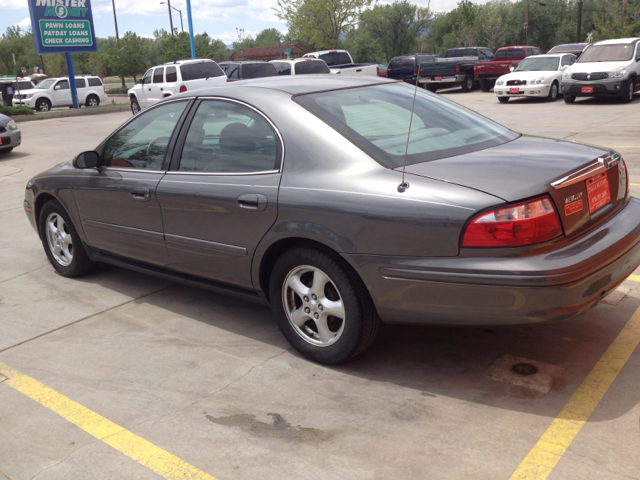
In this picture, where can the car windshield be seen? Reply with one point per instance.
(376, 118)
(538, 64)
(607, 53)
(46, 83)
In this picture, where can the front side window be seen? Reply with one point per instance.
(158, 75)
(147, 77)
(376, 119)
(608, 53)
(567, 60)
(63, 85)
(226, 137)
(310, 67)
(143, 142)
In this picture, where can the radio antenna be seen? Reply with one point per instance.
(404, 185)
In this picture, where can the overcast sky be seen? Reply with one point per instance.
(219, 18)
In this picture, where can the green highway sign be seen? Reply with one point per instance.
(71, 33)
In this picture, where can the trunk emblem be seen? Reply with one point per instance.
(573, 198)
(589, 76)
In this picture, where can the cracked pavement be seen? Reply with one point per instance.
(162, 360)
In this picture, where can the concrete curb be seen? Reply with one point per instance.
(71, 113)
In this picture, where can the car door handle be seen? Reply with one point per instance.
(141, 194)
(359, 70)
(253, 201)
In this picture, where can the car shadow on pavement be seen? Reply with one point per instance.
(13, 155)
(436, 361)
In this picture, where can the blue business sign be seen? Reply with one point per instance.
(62, 26)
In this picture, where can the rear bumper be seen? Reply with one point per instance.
(459, 78)
(510, 289)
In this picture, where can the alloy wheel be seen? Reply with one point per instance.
(135, 108)
(59, 239)
(44, 107)
(313, 306)
(93, 102)
(553, 94)
(631, 89)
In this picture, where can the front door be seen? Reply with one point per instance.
(221, 199)
(117, 201)
(62, 94)
(145, 91)
(155, 90)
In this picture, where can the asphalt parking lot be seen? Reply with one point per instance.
(117, 375)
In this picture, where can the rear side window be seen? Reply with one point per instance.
(158, 75)
(258, 70)
(80, 83)
(232, 70)
(94, 82)
(197, 71)
(171, 75)
(310, 67)
(282, 68)
(376, 119)
(343, 57)
(510, 53)
(228, 138)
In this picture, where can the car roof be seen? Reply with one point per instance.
(293, 85)
(615, 41)
(242, 61)
(322, 52)
(185, 61)
(554, 55)
(296, 60)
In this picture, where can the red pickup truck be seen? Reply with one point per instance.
(505, 58)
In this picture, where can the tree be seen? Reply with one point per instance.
(127, 57)
(396, 26)
(320, 23)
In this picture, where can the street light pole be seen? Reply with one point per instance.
(526, 26)
(179, 11)
(170, 17)
(579, 20)
(115, 20)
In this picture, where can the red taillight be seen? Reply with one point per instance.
(415, 71)
(104, 88)
(515, 225)
(378, 71)
(183, 88)
(457, 68)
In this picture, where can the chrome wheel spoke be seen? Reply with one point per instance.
(324, 333)
(295, 284)
(299, 317)
(319, 282)
(333, 308)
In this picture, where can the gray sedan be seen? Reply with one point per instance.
(290, 191)
(10, 136)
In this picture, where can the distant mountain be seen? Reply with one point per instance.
(230, 46)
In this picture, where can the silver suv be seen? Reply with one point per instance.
(172, 78)
(608, 68)
(55, 92)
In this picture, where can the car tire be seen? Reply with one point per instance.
(92, 101)
(553, 92)
(467, 83)
(569, 98)
(6, 150)
(43, 105)
(485, 85)
(432, 88)
(503, 99)
(135, 106)
(628, 94)
(61, 241)
(309, 281)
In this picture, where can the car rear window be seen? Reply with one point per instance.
(196, 71)
(510, 53)
(376, 119)
(461, 52)
(258, 70)
(402, 62)
(94, 82)
(309, 67)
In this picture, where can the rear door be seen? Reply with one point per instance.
(117, 202)
(220, 197)
(156, 89)
(81, 88)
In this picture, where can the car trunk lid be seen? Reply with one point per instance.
(586, 183)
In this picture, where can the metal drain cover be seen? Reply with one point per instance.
(524, 369)
(524, 372)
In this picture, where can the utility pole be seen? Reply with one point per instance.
(170, 17)
(115, 20)
(579, 19)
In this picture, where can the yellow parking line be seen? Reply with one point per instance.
(635, 184)
(142, 451)
(547, 452)
(635, 278)
(623, 146)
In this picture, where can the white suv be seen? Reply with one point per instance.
(55, 92)
(300, 66)
(172, 78)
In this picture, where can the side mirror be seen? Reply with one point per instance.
(140, 82)
(57, 87)
(511, 69)
(88, 159)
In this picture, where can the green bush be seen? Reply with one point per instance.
(117, 90)
(9, 111)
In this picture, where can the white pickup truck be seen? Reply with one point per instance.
(341, 63)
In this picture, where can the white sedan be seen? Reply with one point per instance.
(537, 76)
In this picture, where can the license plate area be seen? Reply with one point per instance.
(437, 79)
(587, 90)
(598, 191)
(514, 90)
